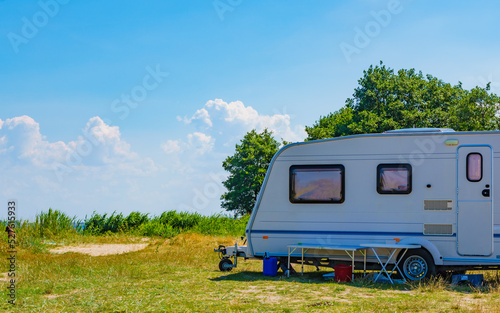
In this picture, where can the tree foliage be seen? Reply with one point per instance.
(247, 169)
(385, 100)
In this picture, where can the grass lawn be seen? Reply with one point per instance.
(181, 275)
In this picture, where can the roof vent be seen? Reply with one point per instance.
(420, 130)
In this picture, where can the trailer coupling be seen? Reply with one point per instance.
(226, 253)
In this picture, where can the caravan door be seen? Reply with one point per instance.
(474, 205)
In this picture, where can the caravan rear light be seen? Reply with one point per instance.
(265, 237)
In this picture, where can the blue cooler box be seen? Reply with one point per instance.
(271, 266)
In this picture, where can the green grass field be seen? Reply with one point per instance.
(180, 274)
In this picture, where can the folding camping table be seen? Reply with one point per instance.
(349, 250)
(392, 247)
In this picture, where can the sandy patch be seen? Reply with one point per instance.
(101, 249)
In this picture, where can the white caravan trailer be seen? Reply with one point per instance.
(430, 187)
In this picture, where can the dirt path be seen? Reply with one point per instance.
(101, 249)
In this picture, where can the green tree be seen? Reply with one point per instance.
(386, 100)
(247, 169)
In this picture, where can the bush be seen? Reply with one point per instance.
(181, 221)
(136, 219)
(222, 225)
(52, 223)
(55, 224)
(156, 228)
(47, 225)
(95, 224)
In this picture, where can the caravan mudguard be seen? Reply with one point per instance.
(426, 244)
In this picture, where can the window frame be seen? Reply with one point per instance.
(406, 166)
(291, 178)
(467, 167)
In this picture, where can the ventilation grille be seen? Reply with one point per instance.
(438, 229)
(438, 205)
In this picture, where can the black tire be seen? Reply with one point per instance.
(225, 265)
(417, 264)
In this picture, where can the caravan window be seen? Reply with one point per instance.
(394, 178)
(317, 184)
(474, 167)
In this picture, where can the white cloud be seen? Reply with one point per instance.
(234, 111)
(96, 171)
(99, 145)
(219, 126)
(171, 146)
(196, 142)
(99, 170)
(194, 162)
(21, 140)
(219, 114)
(200, 115)
(201, 142)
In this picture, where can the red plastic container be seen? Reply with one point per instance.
(343, 273)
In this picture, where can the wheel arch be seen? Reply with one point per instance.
(427, 245)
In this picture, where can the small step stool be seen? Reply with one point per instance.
(475, 280)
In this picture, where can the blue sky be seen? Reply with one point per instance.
(133, 105)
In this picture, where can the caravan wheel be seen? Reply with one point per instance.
(418, 264)
(225, 265)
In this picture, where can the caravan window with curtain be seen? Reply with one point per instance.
(474, 167)
(317, 184)
(394, 178)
